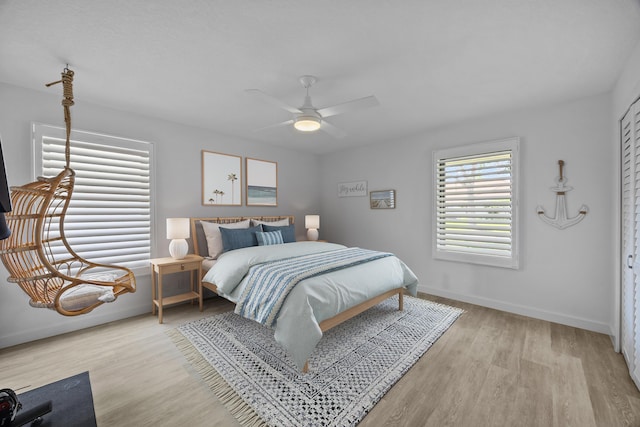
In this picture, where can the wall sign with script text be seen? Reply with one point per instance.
(352, 189)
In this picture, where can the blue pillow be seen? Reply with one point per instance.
(269, 238)
(236, 238)
(288, 232)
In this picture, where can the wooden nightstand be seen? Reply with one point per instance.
(162, 266)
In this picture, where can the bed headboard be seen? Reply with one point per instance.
(200, 241)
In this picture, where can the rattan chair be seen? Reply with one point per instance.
(40, 260)
(37, 254)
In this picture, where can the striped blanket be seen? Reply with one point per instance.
(269, 283)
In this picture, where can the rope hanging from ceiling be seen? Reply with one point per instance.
(67, 103)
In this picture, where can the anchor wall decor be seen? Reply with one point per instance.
(561, 220)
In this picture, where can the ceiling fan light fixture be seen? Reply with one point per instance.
(307, 124)
(308, 118)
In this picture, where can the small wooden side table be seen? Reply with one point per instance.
(162, 266)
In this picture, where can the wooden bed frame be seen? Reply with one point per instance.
(199, 244)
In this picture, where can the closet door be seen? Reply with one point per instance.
(630, 240)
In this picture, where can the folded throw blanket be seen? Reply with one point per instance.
(268, 284)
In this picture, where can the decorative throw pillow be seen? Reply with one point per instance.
(266, 238)
(288, 232)
(239, 238)
(279, 223)
(214, 238)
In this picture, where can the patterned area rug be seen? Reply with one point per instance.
(353, 366)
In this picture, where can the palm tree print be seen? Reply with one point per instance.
(216, 193)
(233, 178)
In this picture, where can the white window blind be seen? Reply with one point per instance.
(475, 218)
(109, 216)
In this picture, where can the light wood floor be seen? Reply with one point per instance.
(489, 369)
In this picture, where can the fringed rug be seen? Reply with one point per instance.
(353, 366)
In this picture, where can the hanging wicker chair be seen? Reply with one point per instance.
(37, 254)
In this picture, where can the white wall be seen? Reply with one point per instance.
(565, 275)
(177, 184)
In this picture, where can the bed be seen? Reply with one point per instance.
(319, 300)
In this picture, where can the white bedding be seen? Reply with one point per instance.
(315, 299)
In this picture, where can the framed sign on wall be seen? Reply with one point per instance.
(352, 189)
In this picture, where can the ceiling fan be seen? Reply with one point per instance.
(308, 118)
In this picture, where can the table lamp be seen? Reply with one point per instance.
(178, 231)
(312, 223)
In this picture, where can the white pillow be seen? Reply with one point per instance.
(279, 223)
(214, 238)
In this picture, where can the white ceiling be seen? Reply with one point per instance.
(429, 62)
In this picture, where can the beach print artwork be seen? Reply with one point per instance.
(385, 199)
(221, 179)
(262, 183)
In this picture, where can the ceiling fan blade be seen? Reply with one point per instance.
(366, 102)
(288, 122)
(273, 101)
(332, 130)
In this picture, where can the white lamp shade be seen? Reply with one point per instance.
(177, 228)
(312, 221)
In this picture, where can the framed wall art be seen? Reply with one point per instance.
(221, 179)
(383, 199)
(352, 189)
(262, 182)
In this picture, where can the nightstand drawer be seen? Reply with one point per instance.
(176, 268)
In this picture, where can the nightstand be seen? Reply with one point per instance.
(162, 266)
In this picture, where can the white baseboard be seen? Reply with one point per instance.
(549, 316)
(70, 324)
(87, 321)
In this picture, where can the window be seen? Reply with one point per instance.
(109, 216)
(476, 200)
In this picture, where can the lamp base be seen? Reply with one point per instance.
(312, 234)
(178, 248)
